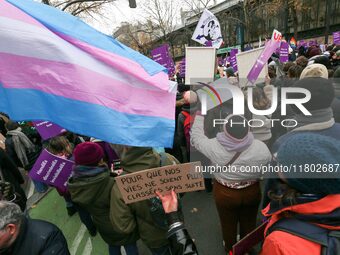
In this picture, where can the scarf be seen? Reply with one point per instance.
(320, 119)
(232, 144)
(22, 145)
(88, 171)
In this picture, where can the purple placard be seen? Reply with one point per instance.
(48, 129)
(52, 170)
(162, 56)
(227, 61)
(233, 60)
(284, 52)
(336, 37)
(254, 73)
(250, 240)
(312, 43)
(302, 43)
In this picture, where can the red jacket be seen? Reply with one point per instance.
(283, 243)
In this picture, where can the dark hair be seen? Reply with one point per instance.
(287, 66)
(322, 93)
(301, 51)
(302, 61)
(260, 100)
(330, 47)
(295, 71)
(283, 194)
(323, 60)
(11, 125)
(234, 127)
(271, 72)
(58, 145)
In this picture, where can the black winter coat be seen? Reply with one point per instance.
(10, 150)
(12, 175)
(179, 239)
(38, 237)
(181, 243)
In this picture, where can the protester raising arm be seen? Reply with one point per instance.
(180, 241)
(211, 148)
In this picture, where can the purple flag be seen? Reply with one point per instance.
(233, 60)
(284, 52)
(162, 56)
(269, 49)
(48, 129)
(336, 37)
(52, 170)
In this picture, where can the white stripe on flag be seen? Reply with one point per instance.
(19, 38)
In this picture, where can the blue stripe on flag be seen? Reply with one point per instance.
(59, 21)
(87, 119)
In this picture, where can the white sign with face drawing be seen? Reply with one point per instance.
(208, 30)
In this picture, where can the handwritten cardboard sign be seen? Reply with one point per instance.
(249, 241)
(52, 170)
(143, 184)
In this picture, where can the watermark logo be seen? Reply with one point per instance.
(238, 100)
(239, 104)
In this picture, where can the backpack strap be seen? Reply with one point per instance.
(237, 154)
(301, 229)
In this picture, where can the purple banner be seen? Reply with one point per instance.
(48, 129)
(284, 52)
(302, 43)
(312, 43)
(336, 37)
(233, 60)
(162, 56)
(52, 170)
(269, 49)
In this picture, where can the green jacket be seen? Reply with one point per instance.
(127, 217)
(93, 194)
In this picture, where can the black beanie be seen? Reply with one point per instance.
(322, 93)
(237, 127)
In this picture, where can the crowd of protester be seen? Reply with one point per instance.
(296, 208)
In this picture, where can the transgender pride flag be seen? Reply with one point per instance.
(56, 68)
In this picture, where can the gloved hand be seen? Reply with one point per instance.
(7, 191)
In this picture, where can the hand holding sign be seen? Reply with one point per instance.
(270, 47)
(142, 185)
(169, 201)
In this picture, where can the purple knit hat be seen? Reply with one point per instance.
(88, 153)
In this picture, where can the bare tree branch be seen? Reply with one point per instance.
(79, 1)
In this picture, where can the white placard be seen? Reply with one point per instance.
(200, 64)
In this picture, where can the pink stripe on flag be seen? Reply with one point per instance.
(78, 83)
(9, 11)
(159, 80)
